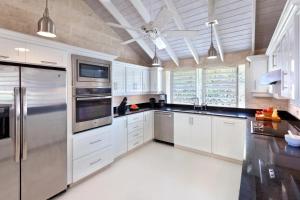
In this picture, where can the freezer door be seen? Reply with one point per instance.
(9, 133)
(44, 133)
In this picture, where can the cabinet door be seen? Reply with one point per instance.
(228, 137)
(148, 126)
(156, 75)
(201, 133)
(146, 81)
(182, 129)
(12, 50)
(133, 80)
(119, 80)
(119, 136)
(44, 55)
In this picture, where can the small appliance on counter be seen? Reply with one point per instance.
(152, 102)
(162, 100)
(122, 108)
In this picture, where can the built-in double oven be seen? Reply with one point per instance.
(92, 95)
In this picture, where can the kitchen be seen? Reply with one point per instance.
(158, 99)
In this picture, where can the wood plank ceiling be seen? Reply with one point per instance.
(235, 30)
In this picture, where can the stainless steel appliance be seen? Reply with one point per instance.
(92, 100)
(162, 100)
(164, 126)
(90, 72)
(33, 132)
(92, 107)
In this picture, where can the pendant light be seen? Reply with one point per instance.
(212, 52)
(155, 60)
(46, 26)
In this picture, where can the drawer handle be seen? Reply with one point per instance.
(96, 141)
(4, 57)
(229, 123)
(95, 162)
(136, 134)
(135, 127)
(48, 62)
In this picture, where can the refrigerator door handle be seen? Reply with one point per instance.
(24, 118)
(17, 123)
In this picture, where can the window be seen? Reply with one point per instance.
(218, 86)
(221, 86)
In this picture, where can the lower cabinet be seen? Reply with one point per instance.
(92, 150)
(120, 136)
(222, 136)
(228, 137)
(135, 123)
(148, 126)
(193, 131)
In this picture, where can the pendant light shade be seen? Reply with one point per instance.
(46, 26)
(212, 52)
(155, 60)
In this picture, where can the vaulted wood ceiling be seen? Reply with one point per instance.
(235, 27)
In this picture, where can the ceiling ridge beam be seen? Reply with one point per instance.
(142, 10)
(120, 18)
(180, 25)
(212, 18)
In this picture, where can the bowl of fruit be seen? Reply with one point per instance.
(134, 107)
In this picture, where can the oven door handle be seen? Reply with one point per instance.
(92, 98)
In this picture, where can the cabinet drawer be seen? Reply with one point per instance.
(43, 55)
(135, 126)
(135, 118)
(91, 141)
(12, 50)
(135, 134)
(91, 163)
(135, 142)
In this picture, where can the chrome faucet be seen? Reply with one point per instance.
(196, 102)
(203, 105)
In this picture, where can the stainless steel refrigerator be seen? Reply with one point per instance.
(33, 132)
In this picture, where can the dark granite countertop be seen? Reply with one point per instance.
(265, 154)
(262, 154)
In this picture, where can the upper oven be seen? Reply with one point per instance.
(91, 72)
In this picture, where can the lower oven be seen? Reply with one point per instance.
(91, 108)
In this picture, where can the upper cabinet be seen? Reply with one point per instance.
(258, 67)
(130, 79)
(12, 50)
(43, 55)
(156, 79)
(134, 80)
(118, 78)
(283, 52)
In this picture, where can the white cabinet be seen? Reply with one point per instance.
(119, 78)
(44, 55)
(148, 126)
(146, 80)
(119, 136)
(92, 150)
(133, 80)
(193, 131)
(135, 123)
(228, 137)
(258, 67)
(12, 50)
(156, 80)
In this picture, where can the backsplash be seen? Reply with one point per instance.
(259, 103)
(294, 110)
(133, 99)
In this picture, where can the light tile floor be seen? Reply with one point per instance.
(161, 172)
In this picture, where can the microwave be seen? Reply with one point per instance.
(90, 72)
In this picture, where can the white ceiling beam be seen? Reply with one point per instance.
(212, 18)
(142, 10)
(119, 17)
(180, 25)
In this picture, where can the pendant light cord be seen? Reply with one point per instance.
(211, 33)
